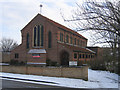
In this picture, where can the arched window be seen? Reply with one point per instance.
(78, 42)
(38, 38)
(27, 43)
(35, 36)
(75, 41)
(38, 34)
(61, 37)
(71, 40)
(49, 39)
(67, 39)
(42, 34)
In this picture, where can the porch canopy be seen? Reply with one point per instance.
(37, 51)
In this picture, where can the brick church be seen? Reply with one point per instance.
(44, 39)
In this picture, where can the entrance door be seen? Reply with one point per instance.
(64, 57)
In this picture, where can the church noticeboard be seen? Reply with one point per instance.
(73, 63)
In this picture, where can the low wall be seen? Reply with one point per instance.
(71, 72)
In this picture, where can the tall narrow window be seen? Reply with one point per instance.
(83, 56)
(38, 38)
(38, 35)
(89, 56)
(35, 37)
(86, 56)
(42, 31)
(27, 40)
(79, 55)
(67, 39)
(78, 42)
(81, 43)
(49, 39)
(71, 40)
(75, 41)
(61, 37)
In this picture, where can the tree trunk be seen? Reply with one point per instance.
(119, 57)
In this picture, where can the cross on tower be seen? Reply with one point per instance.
(40, 8)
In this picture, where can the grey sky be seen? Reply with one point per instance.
(15, 14)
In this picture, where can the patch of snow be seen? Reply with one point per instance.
(105, 79)
(4, 64)
(96, 79)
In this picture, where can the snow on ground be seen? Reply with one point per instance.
(4, 63)
(96, 79)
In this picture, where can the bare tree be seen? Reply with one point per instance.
(104, 19)
(8, 44)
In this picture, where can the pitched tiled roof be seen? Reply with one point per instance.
(61, 26)
(57, 24)
(77, 49)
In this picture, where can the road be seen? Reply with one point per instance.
(6, 84)
(18, 84)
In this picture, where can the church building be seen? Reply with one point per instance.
(44, 39)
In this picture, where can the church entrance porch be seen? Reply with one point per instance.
(36, 57)
(64, 58)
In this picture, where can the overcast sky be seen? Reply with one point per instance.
(15, 14)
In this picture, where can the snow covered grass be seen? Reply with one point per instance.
(96, 79)
(4, 63)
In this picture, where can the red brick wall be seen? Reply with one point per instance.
(53, 53)
(21, 51)
(41, 59)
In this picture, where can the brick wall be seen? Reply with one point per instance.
(71, 72)
(53, 53)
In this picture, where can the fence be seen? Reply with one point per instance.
(70, 72)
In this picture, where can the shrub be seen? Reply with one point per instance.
(54, 63)
(22, 63)
(48, 62)
(16, 62)
(96, 64)
(51, 63)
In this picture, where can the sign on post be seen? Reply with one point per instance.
(72, 63)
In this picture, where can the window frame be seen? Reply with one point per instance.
(27, 43)
(61, 37)
(80, 56)
(75, 57)
(16, 55)
(74, 41)
(34, 36)
(38, 36)
(83, 56)
(49, 39)
(78, 42)
(67, 38)
(71, 41)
